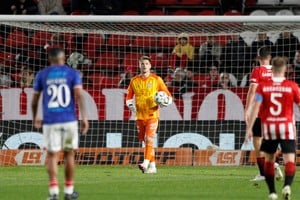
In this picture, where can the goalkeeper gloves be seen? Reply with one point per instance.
(131, 105)
(167, 102)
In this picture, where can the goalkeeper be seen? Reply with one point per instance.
(140, 99)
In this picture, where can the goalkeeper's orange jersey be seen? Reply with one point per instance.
(144, 89)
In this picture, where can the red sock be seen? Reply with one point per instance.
(260, 163)
(290, 170)
(53, 183)
(269, 172)
(69, 183)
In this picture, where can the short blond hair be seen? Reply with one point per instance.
(145, 58)
(278, 63)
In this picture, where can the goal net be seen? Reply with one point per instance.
(205, 62)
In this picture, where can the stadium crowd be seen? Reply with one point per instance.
(184, 61)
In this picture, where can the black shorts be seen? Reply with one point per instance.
(256, 129)
(271, 146)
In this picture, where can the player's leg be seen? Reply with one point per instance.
(70, 142)
(52, 140)
(260, 158)
(269, 148)
(141, 135)
(288, 148)
(151, 128)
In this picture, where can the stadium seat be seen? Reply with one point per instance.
(130, 12)
(108, 60)
(131, 60)
(222, 39)
(196, 41)
(166, 2)
(159, 60)
(284, 12)
(156, 12)
(190, 2)
(167, 41)
(119, 40)
(16, 39)
(7, 58)
(91, 44)
(100, 81)
(232, 13)
(250, 2)
(144, 41)
(40, 38)
(248, 37)
(210, 2)
(181, 12)
(206, 12)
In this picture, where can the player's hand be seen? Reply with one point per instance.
(249, 135)
(37, 123)
(84, 126)
(131, 105)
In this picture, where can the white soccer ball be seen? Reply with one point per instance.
(161, 97)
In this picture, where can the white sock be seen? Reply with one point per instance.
(69, 189)
(146, 163)
(53, 190)
(152, 165)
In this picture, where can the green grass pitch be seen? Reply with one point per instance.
(119, 182)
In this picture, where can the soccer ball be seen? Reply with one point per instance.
(161, 97)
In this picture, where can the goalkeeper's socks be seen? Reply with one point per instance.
(146, 163)
(152, 165)
(53, 187)
(69, 187)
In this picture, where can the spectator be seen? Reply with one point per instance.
(297, 60)
(235, 55)
(212, 78)
(26, 77)
(106, 7)
(5, 79)
(126, 77)
(262, 40)
(51, 7)
(182, 52)
(286, 45)
(291, 74)
(182, 82)
(24, 7)
(237, 5)
(224, 81)
(210, 51)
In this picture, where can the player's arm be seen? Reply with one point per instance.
(162, 87)
(84, 126)
(252, 116)
(129, 98)
(34, 107)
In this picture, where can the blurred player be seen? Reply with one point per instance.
(61, 87)
(274, 99)
(140, 99)
(258, 75)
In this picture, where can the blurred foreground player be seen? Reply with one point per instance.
(140, 99)
(259, 74)
(61, 87)
(275, 99)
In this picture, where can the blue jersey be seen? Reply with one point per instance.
(57, 85)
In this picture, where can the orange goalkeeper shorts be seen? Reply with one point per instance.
(146, 128)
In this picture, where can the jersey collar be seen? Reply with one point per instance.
(268, 66)
(278, 79)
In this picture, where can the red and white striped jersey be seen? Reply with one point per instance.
(278, 96)
(260, 74)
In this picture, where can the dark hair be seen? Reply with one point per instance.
(264, 52)
(55, 52)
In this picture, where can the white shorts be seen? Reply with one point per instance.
(61, 136)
